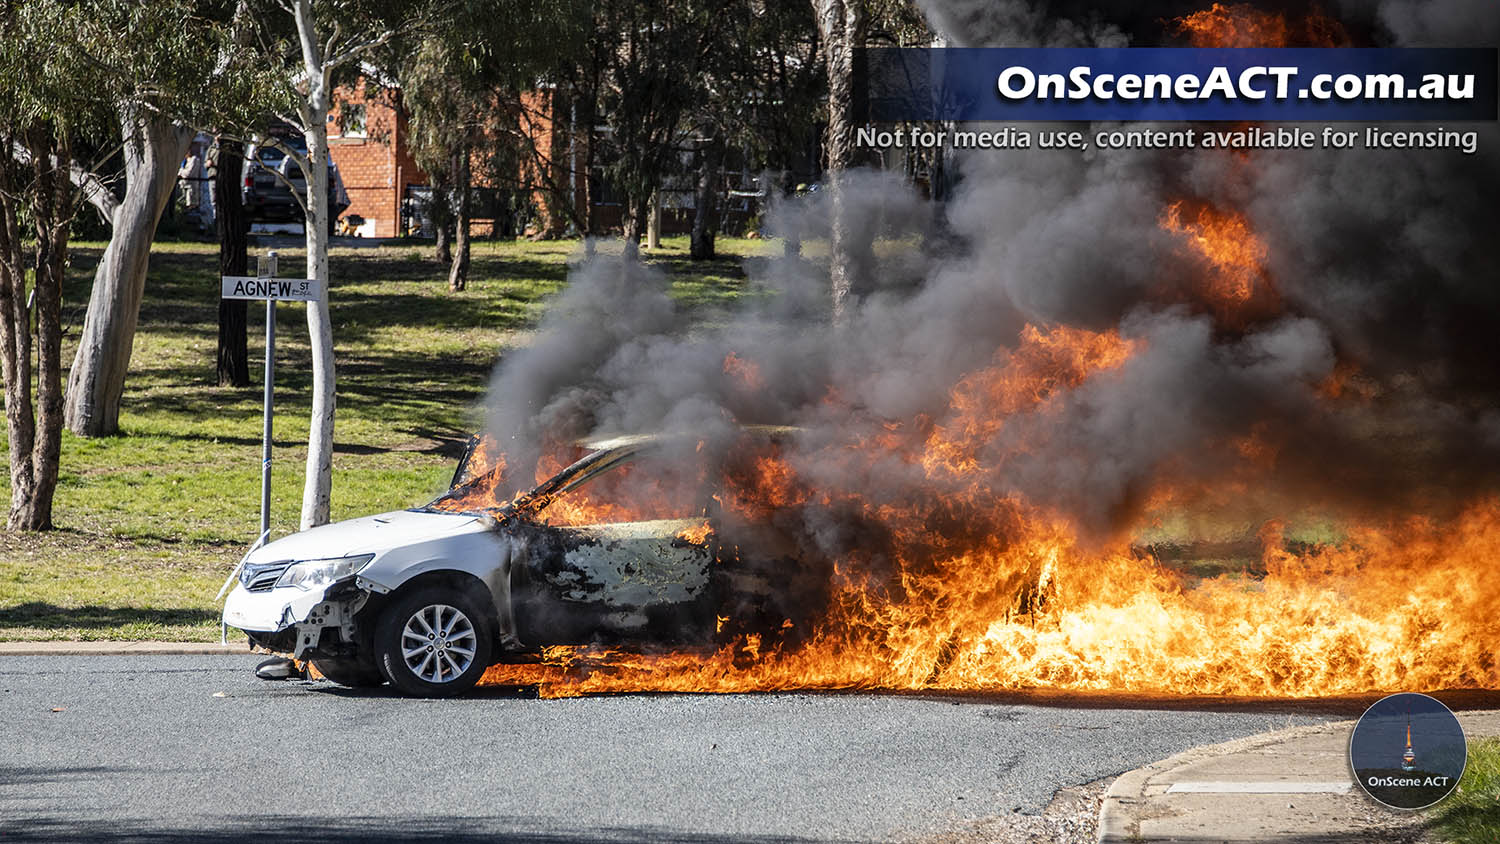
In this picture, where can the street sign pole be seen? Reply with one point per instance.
(265, 285)
(267, 269)
(265, 447)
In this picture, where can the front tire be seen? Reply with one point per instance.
(433, 642)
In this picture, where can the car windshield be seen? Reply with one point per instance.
(620, 484)
(643, 488)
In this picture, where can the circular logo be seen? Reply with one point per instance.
(1408, 751)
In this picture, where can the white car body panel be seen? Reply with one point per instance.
(365, 535)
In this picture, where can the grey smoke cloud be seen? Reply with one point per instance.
(1384, 262)
(554, 386)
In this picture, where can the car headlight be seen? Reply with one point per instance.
(312, 574)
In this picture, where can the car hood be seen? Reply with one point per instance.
(367, 534)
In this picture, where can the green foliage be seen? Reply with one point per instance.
(652, 81)
(182, 60)
(1472, 814)
(897, 23)
(70, 68)
(263, 48)
(73, 63)
(777, 89)
(461, 83)
(53, 72)
(762, 87)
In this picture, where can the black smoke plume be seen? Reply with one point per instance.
(1374, 382)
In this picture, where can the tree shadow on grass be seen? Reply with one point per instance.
(395, 385)
(369, 289)
(42, 614)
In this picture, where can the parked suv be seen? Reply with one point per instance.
(271, 178)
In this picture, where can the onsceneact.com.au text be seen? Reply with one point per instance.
(1018, 82)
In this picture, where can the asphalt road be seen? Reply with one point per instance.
(145, 750)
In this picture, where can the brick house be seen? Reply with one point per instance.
(367, 134)
(541, 123)
(368, 140)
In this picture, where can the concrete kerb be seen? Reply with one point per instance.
(65, 648)
(1117, 814)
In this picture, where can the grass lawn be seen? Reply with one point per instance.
(1472, 814)
(151, 521)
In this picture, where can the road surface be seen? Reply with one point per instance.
(183, 748)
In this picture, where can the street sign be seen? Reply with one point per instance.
(279, 289)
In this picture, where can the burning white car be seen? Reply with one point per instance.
(428, 598)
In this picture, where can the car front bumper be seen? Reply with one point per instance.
(271, 611)
(318, 619)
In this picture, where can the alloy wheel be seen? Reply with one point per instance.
(438, 643)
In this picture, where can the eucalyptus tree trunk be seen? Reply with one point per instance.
(439, 211)
(791, 244)
(34, 428)
(458, 271)
(15, 347)
(588, 107)
(706, 200)
(637, 210)
(234, 259)
(153, 149)
(318, 482)
(53, 215)
(841, 26)
(653, 222)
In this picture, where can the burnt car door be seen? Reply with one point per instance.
(620, 554)
(618, 583)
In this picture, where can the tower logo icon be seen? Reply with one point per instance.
(1409, 758)
(1383, 751)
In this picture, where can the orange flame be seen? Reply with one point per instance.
(1005, 595)
(745, 373)
(485, 470)
(1243, 25)
(696, 535)
(1044, 363)
(1236, 289)
(1398, 609)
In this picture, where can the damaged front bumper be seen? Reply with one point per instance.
(299, 622)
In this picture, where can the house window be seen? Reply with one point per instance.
(352, 120)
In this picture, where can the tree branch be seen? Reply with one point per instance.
(95, 192)
(89, 184)
(312, 61)
(297, 158)
(333, 38)
(360, 49)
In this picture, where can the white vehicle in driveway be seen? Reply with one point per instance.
(428, 598)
